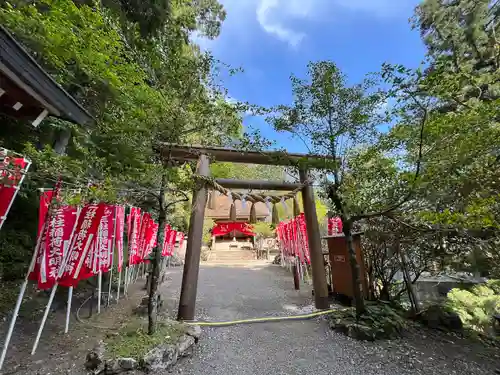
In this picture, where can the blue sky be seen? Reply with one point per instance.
(270, 39)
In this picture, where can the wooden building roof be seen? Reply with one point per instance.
(220, 207)
(28, 92)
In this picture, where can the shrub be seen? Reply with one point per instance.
(477, 306)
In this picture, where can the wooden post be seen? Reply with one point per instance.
(295, 270)
(189, 287)
(314, 240)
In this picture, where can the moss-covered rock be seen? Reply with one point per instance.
(133, 349)
(440, 317)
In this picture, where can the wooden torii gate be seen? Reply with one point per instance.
(194, 241)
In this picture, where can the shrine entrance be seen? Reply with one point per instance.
(203, 156)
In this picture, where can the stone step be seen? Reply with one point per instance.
(232, 255)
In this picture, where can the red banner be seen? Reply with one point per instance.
(80, 259)
(166, 234)
(53, 246)
(43, 238)
(334, 226)
(119, 227)
(45, 200)
(151, 239)
(144, 236)
(171, 242)
(11, 172)
(293, 240)
(225, 228)
(134, 227)
(105, 239)
(305, 239)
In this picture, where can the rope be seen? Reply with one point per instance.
(80, 320)
(253, 198)
(220, 324)
(262, 320)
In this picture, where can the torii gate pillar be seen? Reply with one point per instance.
(314, 240)
(189, 287)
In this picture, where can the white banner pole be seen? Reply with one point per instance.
(68, 309)
(112, 254)
(44, 319)
(20, 298)
(125, 281)
(54, 288)
(70, 290)
(119, 286)
(99, 288)
(99, 266)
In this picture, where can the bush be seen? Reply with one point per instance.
(476, 306)
(380, 322)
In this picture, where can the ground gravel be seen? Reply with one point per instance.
(302, 347)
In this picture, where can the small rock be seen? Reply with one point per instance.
(127, 363)
(95, 358)
(194, 331)
(160, 358)
(185, 345)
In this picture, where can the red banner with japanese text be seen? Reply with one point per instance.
(133, 238)
(119, 228)
(43, 238)
(82, 250)
(105, 239)
(53, 246)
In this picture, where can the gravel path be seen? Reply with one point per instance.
(301, 347)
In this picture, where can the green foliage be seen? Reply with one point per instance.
(247, 171)
(132, 66)
(263, 229)
(379, 322)
(476, 306)
(207, 231)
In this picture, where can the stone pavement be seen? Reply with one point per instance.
(294, 347)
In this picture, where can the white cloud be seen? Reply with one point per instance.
(285, 19)
(274, 15)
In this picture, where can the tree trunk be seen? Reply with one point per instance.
(359, 300)
(407, 278)
(156, 261)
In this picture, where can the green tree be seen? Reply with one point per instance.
(332, 118)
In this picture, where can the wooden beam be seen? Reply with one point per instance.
(188, 153)
(315, 249)
(189, 286)
(257, 184)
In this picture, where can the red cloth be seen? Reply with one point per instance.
(119, 227)
(225, 228)
(334, 225)
(8, 193)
